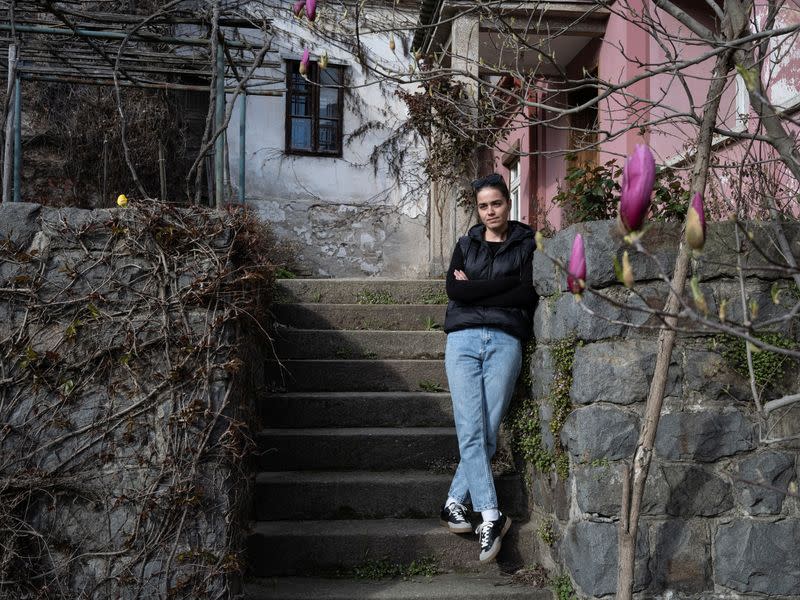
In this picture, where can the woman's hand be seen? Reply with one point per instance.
(460, 275)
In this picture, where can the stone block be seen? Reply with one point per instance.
(681, 560)
(598, 490)
(704, 435)
(593, 318)
(618, 372)
(782, 426)
(550, 494)
(542, 372)
(589, 550)
(18, 223)
(545, 418)
(758, 557)
(762, 480)
(708, 376)
(719, 255)
(602, 242)
(598, 432)
(696, 491)
(757, 291)
(78, 228)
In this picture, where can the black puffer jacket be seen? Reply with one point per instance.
(479, 264)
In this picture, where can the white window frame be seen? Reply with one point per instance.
(513, 188)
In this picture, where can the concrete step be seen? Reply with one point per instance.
(317, 343)
(324, 547)
(357, 375)
(357, 409)
(361, 291)
(394, 317)
(361, 448)
(449, 586)
(302, 495)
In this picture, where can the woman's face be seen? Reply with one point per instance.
(493, 208)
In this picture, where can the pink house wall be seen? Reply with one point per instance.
(666, 125)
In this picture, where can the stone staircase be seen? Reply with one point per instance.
(359, 449)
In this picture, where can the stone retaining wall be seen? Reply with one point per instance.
(126, 381)
(719, 518)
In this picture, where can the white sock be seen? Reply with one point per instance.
(490, 515)
(451, 500)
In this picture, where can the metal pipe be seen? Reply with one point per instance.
(17, 140)
(219, 118)
(8, 148)
(116, 35)
(242, 143)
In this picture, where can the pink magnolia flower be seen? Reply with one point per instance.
(304, 62)
(297, 7)
(576, 269)
(696, 223)
(638, 178)
(311, 9)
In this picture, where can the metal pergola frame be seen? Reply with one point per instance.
(66, 42)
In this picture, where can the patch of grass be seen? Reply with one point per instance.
(562, 587)
(284, 273)
(535, 576)
(384, 569)
(316, 297)
(426, 385)
(430, 324)
(434, 297)
(546, 532)
(374, 297)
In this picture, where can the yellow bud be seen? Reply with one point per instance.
(723, 310)
(323, 60)
(391, 43)
(122, 201)
(698, 297)
(627, 271)
(753, 309)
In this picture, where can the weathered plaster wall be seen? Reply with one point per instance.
(125, 397)
(706, 530)
(349, 215)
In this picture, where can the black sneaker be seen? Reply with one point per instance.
(490, 536)
(454, 517)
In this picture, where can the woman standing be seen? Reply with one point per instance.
(489, 284)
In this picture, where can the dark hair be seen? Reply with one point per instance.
(492, 180)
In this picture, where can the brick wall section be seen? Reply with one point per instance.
(704, 531)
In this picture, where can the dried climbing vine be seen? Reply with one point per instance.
(127, 361)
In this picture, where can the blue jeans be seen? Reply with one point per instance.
(482, 366)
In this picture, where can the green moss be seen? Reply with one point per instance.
(384, 569)
(768, 367)
(426, 385)
(562, 587)
(434, 297)
(546, 532)
(524, 421)
(374, 297)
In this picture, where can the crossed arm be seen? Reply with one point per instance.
(505, 291)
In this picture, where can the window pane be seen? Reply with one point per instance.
(301, 105)
(330, 76)
(300, 134)
(298, 83)
(328, 135)
(328, 102)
